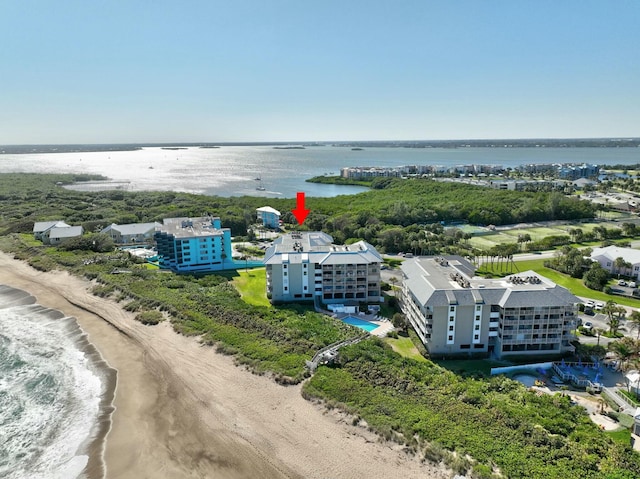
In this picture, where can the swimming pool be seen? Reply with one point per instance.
(360, 323)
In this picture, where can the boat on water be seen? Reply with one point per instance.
(260, 187)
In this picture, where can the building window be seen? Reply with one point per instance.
(480, 346)
(477, 327)
(450, 338)
(452, 309)
(476, 337)
(478, 308)
(450, 328)
(465, 346)
(477, 318)
(284, 266)
(285, 273)
(451, 318)
(286, 288)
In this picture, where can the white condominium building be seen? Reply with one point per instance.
(309, 267)
(456, 313)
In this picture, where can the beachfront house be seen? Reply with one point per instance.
(194, 245)
(58, 234)
(309, 267)
(607, 258)
(455, 313)
(41, 228)
(269, 217)
(131, 234)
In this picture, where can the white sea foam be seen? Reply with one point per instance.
(50, 394)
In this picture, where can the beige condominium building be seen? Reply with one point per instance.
(309, 267)
(456, 313)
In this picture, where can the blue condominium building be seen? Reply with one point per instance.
(194, 244)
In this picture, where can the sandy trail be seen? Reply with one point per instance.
(185, 411)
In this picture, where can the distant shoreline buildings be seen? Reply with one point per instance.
(564, 171)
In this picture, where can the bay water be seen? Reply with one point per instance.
(240, 170)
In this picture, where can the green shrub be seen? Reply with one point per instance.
(149, 317)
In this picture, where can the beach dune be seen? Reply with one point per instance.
(185, 411)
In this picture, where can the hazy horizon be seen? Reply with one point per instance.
(335, 142)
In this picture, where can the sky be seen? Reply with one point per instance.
(119, 71)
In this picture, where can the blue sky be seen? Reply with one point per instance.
(277, 70)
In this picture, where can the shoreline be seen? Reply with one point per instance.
(93, 445)
(184, 410)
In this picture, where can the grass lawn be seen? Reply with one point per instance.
(404, 347)
(489, 241)
(622, 435)
(575, 285)
(252, 286)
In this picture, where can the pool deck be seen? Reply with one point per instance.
(384, 325)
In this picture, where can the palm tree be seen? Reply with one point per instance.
(599, 332)
(621, 264)
(634, 322)
(614, 313)
(622, 351)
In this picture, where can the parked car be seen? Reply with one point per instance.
(633, 284)
(588, 325)
(622, 282)
(599, 306)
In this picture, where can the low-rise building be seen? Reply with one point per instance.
(134, 233)
(269, 217)
(456, 313)
(608, 256)
(309, 267)
(55, 232)
(58, 234)
(41, 228)
(194, 245)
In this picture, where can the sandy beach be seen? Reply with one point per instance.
(185, 411)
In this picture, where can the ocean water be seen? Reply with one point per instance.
(52, 392)
(234, 170)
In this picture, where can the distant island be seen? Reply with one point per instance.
(633, 142)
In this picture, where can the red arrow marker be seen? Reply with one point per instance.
(300, 212)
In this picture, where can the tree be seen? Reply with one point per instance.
(629, 229)
(600, 232)
(624, 350)
(621, 264)
(599, 332)
(400, 322)
(634, 322)
(97, 242)
(596, 278)
(614, 313)
(524, 238)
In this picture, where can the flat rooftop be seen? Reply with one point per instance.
(191, 227)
